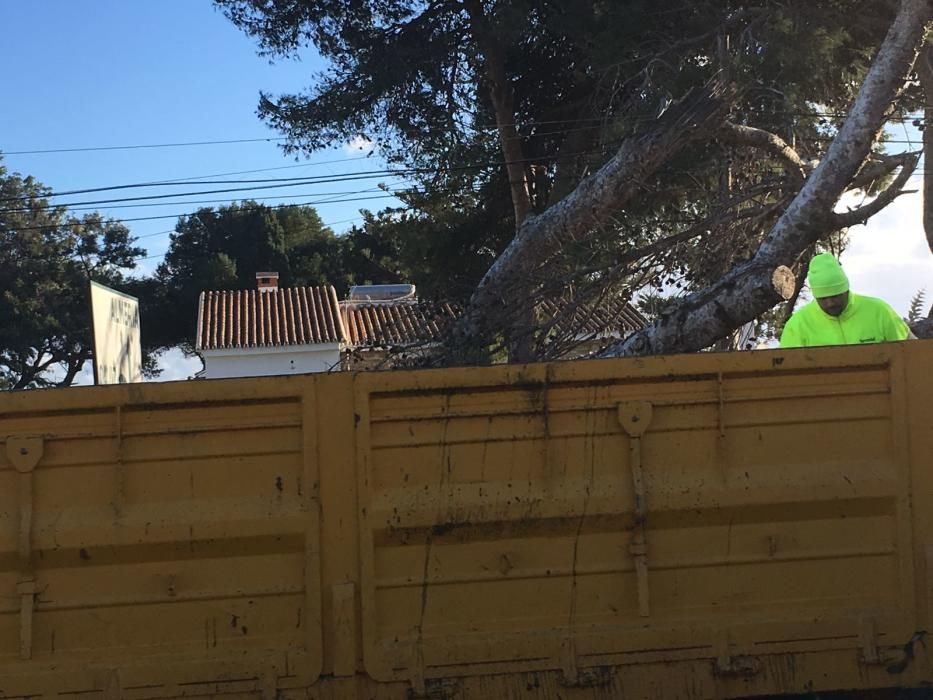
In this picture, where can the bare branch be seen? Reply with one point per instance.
(580, 213)
(878, 167)
(925, 73)
(861, 214)
(754, 137)
(694, 231)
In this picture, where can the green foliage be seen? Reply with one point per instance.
(653, 305)
(47, 259)
(916, 310)
(224, 248)
(412, 77)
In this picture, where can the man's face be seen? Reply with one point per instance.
(834, 305)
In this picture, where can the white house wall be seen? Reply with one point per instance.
(264, 362)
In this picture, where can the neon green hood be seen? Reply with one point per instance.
(826, 277)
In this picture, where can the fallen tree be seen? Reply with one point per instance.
(552, 164)
(764, 281)
(753, 287)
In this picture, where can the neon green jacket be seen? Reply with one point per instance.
(865, 320)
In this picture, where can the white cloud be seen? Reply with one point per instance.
(889, 257)
(175, 365)
(359, 144)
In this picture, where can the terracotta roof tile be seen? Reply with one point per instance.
(311, 315)
(250, 318)
(375, 324)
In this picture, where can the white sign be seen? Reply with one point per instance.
(115, 326)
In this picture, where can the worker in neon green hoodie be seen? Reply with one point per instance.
(837, 316)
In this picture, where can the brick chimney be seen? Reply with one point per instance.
(267, 281)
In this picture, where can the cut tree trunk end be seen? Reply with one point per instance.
(784, 282)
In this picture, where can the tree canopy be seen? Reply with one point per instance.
(224, 248)
(47, 258)
(504, 107)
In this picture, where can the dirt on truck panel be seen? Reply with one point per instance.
(701, 526)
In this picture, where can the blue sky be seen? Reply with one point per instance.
(89, 73)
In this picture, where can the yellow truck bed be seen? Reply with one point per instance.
(713, 525)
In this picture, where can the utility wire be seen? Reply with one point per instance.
(202, 201)
(324, 179)
(291, 181)
(282, 182)
(297, 181)
(137, 146)
(405, 190)
(180, 214)
(480, 127)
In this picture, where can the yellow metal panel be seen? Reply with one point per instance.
(174, 541)
(498, 518)
(765, 526)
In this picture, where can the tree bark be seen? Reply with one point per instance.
(507, 285)
(747, 291)
(520, 340)
(74, 367)
(923, 328)
(740, 135)
(925, 73)
(861, 214)
(503, 102)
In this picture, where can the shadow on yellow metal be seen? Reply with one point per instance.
(692, 526)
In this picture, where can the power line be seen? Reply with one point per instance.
(137, 146)
(291, 181)
(200, 201)
(479, 127)
(297, 181)
(914, 117)
(285, 182)
(175, 216)
(152, 235)
(265, 170)
(597, 123)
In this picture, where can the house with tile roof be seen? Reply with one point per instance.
(269, 331)
(274, 331)
(385, 333)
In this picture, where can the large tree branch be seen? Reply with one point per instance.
(30, 370)
(749, 289)
(693, 231)
(74, 366)
(922, 328)
(925, 73)
(739, 135)
(879, 166)
(503, 102)
(861, 214)
(579, 214)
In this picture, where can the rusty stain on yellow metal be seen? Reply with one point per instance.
(474, 533)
